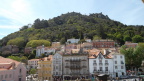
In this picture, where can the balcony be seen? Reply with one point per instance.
(75, 67)
(66, 66)
(76, 60)
(66, 60)
(94, 64)
(100, 64)
(84, 66)
(83, 59)
(107, 64)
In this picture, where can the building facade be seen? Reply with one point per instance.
(11, 70)
(112, 64)
(33, 63)
(45, 68)
(103, 44)
(75, 65)
(119, 64)
(57, 67)
(73, 40)
(44, 50)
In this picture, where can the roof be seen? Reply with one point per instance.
(75, 50)
(34, 60)
(8, 60)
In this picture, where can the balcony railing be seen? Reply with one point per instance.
(106, 63)
(76, 60)
(83, 66)
(75, 67)
(66, 60)
(94, 64)
(66, 66)
(100, 64)
(83, 59)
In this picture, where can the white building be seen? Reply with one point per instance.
(119, 64)
(112, 64)
(73, 40)
(33, 63)
(44, 50)
(57, 66)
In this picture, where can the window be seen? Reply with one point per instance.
(121, 67)
(100, 68)
(1, 76)
(115, 62)
(106, 61)
(121, 56)
(94, 61)
(122, 62)
(106, 68)
(6, 76)
(9, 75)
(94, 68)
(116, 67)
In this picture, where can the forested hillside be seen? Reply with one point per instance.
(75, 25)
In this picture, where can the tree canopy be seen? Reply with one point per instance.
(35, 43)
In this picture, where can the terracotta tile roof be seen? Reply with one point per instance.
(2, 69)
(7, 60)
(92, 57)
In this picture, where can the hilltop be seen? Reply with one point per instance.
(75, 25)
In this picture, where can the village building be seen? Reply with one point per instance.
(45, 68)
(106, 62)
(75, 65)
(11, 70)
(57, 67)
(103, 43)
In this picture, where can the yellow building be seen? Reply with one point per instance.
(45, 68)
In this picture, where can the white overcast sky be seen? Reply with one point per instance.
(16, 13)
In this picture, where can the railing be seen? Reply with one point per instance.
(83, 59)
(66, 60)
(95, 64)
(100, 64)
(76, 60)
(83, 66)
(106, 63)
(75, 67)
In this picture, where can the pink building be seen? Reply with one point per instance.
(11, 70)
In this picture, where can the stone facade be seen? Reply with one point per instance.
(75, 66)
(57, 67)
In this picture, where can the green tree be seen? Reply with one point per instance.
(20, 42)
(15, 58)
(133, 56)
(95, 37)
(137, 38)
(33, 71)
(127, 38)
(35, 43)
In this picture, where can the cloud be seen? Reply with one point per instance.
(18, 12)
(9, 27)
